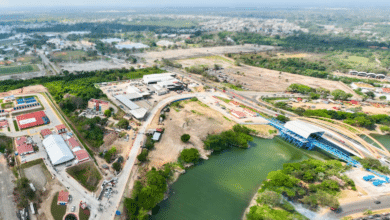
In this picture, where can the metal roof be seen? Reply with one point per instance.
(303, 129)
(126, 101)
(57, 149)
(138, 113)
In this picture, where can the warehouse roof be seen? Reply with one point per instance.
(57, 149)
(126, 101)
(303, 129)
(138, 113)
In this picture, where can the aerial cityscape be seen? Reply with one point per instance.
(221, 110)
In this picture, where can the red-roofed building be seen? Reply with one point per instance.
(72, 142)
(386, 90)
(61, 128)
(81, 155)
(250, 112)
(25, 149)
(354, 102)
(63, 198)
(238, 114)
(45, 133)
(3, 124)
(32, 119)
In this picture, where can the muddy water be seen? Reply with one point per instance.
(222, 187)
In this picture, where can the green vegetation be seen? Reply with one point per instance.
(107, 113)
(356, 119)
(18, 69)
(16, 125)
(86, 174)
(185, 138)
(109, 154)
(190, 155)
(171, 63)
(312, 182)
(7, 105)
(123, 123)
(117, 166)
(374, 164)
(147, 194)
(6, 144)
(143, 156)
(384, 128)
(282, 118)
(83, 214)
(236, 137)
(339, 94)
(57, 211)
(149, 143)
(69, 55)
(237, 87)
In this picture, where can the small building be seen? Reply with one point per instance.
(73, 143)
(81, 156)
(250, 112)
(63, 198)
(61, 129)
(32, 119)
(238, 114)
(45, 133)
(23, 146)
(98, 105)
(154, 78)
(156, 136)
(353, 102)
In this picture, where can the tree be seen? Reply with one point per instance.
(314, 95)
(117, 166)
(282, 118)
(270, 198)
(123, 123)
(109, 154)
(143, 156)
(190, 155)
(382, 97)
(370, 94)
(107, 113)
(185, 138)
(339, 94)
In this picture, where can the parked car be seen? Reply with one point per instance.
(73, 208)
(377, 202)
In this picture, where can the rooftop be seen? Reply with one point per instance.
(303, 129)
(63, 196)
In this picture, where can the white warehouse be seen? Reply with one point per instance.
(154, 78)
(57, 149)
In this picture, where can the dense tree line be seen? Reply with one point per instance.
(148, 193)
(238, 136)
(311, 182)
(356, 119)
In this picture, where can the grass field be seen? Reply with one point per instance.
(229, 85)
(18, 69)
(57, 211)
(82, 215)
(27, 59)
(16, 126)
(7, 105)
(66, 56)
(358, 61)
(86, 174)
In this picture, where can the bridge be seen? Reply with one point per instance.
(310, 137)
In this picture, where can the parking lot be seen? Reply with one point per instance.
(357, 176)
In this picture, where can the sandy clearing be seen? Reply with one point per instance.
(265, 80)
(198, 125)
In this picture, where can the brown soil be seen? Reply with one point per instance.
(265, 80)
(198, 125)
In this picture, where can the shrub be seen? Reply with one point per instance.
(185, 138)
(190, 155)
(123, 123)
(107, 113)
(143, 156)
(117, 166)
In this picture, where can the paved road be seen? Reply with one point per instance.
(358, 207)
(8, 207)
(125, 174)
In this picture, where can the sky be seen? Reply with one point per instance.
(196, 3)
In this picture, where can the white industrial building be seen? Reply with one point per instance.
(135, 110)
(154, 78)
(304, 129)
(57, 150)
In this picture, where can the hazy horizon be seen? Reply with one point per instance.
(27, 4)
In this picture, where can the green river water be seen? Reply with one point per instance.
(383, 139)
(222, 187)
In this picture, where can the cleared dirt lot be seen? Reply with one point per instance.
(265, 80)
(198, 52)
(193, 119)
(36, 176)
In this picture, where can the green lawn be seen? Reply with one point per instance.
(229, 85)
(86, 174)
(82, 215)
(7, 105)
(16, 126)
(358, 61)
(57, 211)
(66, 56)
(18, 69)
